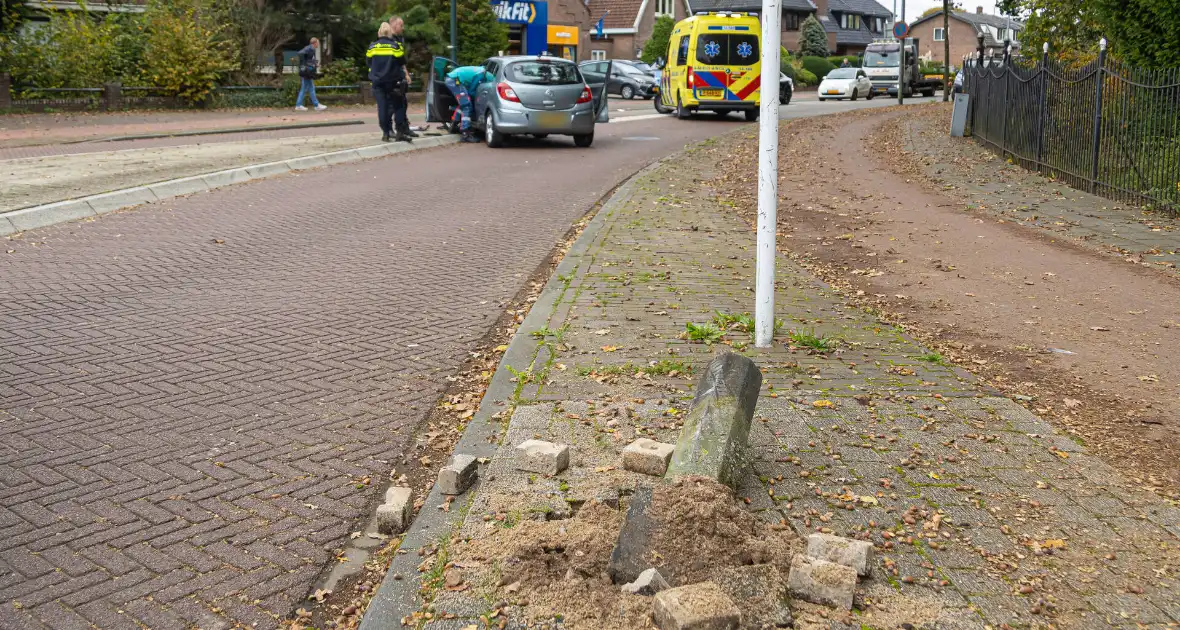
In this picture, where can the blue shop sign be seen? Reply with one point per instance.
(532, 16)
(515, 11)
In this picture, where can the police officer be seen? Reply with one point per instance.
(387, 71)
(401, 122)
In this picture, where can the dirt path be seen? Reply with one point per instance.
(998, 298)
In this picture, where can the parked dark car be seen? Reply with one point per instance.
(786, 87)
(625, 79)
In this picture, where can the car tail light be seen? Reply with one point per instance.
(691, 77)
(507, 93)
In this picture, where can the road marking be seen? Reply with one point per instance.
(643, 117)
(641, 138)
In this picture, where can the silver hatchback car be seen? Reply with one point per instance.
(534, 95)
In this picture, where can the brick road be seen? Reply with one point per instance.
(185, 419)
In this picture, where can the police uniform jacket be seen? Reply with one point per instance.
(387, 61)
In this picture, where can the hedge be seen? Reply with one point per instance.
(838, 60)
(818, 66)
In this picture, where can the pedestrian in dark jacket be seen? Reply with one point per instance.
(387, 71)
(307, 73)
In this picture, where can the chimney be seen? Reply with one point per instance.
(979, 10)
(821, 8)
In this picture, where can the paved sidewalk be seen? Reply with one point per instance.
(982, 514)
(988, 183)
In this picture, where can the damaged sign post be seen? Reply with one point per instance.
(767, 175)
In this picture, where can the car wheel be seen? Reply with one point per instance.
(627, 92)
(751, 115)
(681, 111)
(854, 94)
(927, 93)
(494, 138)
(869, 96)
(660, 107)
(584, 140)
(784, 97)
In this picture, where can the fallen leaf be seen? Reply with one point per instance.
(604, 331)
(319, 595)
(1099, 328)
(1072, 402)
(1150, 378)
(1054, 543)
(823, 404)
(609, 348)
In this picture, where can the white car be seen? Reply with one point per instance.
(849, 83)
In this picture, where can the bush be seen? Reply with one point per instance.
(73, 50)
(657, 45)
(806, 77)
(185, 52)
(340, 72)
(818, 66)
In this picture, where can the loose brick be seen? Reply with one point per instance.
(541, 457)
(700, 606)
(649, 582)
(457, 476)
(822, 582)
(393, 516)
(857, 554)
(648, 457)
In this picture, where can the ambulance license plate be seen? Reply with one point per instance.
(709, 94)
(551, 119)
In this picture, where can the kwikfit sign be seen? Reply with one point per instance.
(514, 11)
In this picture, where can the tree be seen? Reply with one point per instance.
(481, 35)
(424, 40)
(656, 46)
(814, 39)
(1141, 32)
(258, 28)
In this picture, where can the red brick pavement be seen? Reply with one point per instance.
(184, 420)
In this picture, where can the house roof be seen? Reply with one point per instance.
(977, 21)
(864, 7)
(855, 37)
(622, 12)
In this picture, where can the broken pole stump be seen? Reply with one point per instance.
(713, 441)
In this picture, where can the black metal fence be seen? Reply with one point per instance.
(1107, 128)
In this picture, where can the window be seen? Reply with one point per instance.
(597, 55)
(850, 21)
(790, 21)
(543, 73)
(727, 49)
(939, 35)
(682, 51)
(665, 7)
(878, 25)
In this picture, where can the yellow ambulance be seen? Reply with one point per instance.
(713, 65)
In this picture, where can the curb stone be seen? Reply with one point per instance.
(45, 215)
(399, 598)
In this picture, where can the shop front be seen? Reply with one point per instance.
(527, 21)
(563, 41)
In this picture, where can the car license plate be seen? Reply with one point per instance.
(551, 119)
(833, 91)
(708, 93)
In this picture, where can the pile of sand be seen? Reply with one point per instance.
(546, 569)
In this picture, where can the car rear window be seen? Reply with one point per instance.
(543, 73)
(727, 49)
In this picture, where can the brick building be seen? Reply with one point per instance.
(627, 25)
(850, 24)
(963, 34)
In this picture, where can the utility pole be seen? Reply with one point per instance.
(901, 63)
(946, 50)
(767, 175)
(454, 35)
